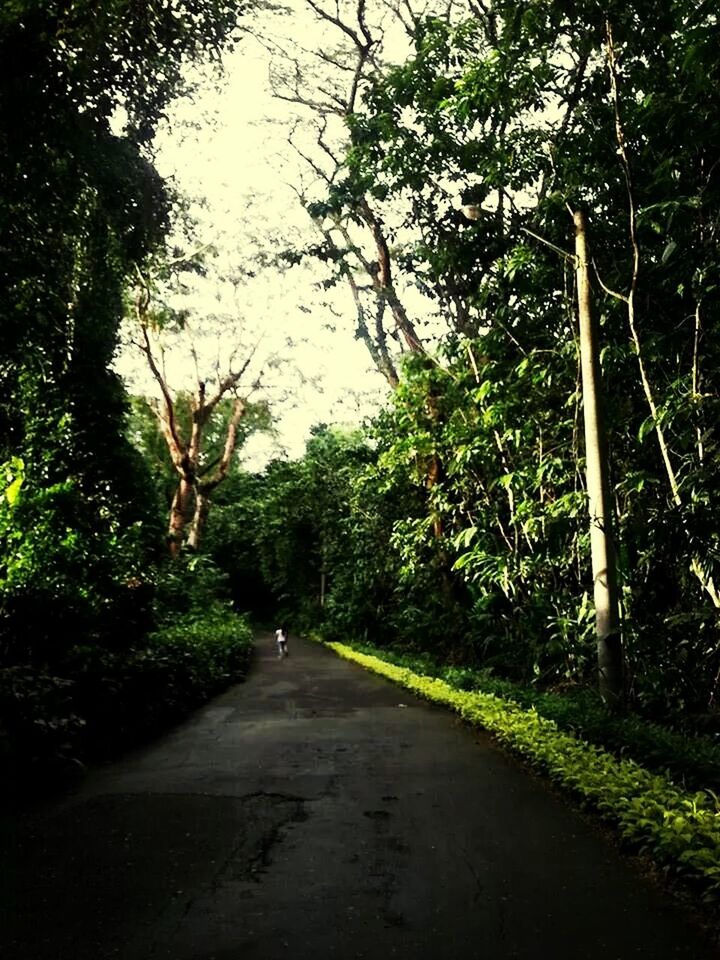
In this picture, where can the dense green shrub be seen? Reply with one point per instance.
(205, 653)
(680, 830)
(188, 584)
(125, 698)
(61, 576)
(690, 760)
(108, 699)
(37, 711)
(181, 666)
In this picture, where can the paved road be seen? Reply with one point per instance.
(315, 812)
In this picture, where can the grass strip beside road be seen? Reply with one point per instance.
(678, 829)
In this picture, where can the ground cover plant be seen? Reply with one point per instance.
(677, 828)
(690, 760)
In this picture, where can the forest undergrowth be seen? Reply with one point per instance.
(677, 828)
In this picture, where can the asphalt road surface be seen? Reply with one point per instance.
(317, 811)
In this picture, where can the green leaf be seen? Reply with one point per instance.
(646, 426)
(668, 251)
(15, 473)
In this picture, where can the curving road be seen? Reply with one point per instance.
(317, 811)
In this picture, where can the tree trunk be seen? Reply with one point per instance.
(323, 584)
(179, 515)
(605, 588)
(202, 508)
(186, 454)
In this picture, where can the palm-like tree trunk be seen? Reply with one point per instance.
(602, 548)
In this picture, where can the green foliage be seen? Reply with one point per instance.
(61, 578)
(687, 758)
(123, 697)
(105, 700)
(81, 207)
(80, 529)
(489, 564)
(282, 535)
(481, 549)
(189, 585)
(39, 717)
(203, 654)
(233, 538)
(680, 830)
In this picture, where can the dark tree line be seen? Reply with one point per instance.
(81, 206)
(459, 522)
(526, 114)
(99, 639)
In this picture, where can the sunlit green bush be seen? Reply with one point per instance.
(691, 760)
(680, 830)
(66, 575)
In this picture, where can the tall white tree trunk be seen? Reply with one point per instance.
(202, 508)
(604, 568)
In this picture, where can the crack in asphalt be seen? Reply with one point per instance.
(266, 815)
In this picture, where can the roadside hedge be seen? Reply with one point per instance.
(125, 696)
(105, 700)
(679, 829)
(690, 760)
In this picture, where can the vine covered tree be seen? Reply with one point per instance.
(82, 204)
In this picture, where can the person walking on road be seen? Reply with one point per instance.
(281, 635)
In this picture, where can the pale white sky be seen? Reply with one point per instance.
(226, 146)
